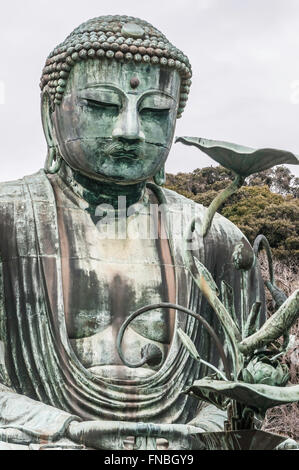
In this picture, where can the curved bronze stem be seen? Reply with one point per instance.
(278, 295)
(198, 317)
(218, 201)
(262, 240)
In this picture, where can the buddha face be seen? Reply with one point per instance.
(116, 121)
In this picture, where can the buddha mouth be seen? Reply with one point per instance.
(121, 372)
(130, 155)
(125, 150)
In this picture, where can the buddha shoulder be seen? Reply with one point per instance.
(15, 202)
(11, 194)
(11, 191)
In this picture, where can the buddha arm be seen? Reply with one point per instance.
(22, 420)
(25, 421)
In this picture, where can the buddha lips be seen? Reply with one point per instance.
(122, 149)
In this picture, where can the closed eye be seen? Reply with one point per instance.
(100, 104)
(155, 110)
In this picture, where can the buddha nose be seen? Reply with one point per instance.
(128, 126)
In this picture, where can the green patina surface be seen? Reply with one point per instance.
(111, 94)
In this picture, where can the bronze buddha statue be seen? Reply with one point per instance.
(93, 238)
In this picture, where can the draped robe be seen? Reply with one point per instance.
(44, 384)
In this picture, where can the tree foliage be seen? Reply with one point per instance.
(267, 204)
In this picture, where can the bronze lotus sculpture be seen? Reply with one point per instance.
(118, 296)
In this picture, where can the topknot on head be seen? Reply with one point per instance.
(121, 38)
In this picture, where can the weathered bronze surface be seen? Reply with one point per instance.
(238, 440)
(117, 296)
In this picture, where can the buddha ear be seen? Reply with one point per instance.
(54, 159)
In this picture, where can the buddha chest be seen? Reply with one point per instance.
(111, 267)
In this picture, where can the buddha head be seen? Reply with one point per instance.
(111, 94)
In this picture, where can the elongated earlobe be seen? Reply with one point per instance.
(160, 177)
(54, 159)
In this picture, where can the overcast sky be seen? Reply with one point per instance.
(244, 53)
